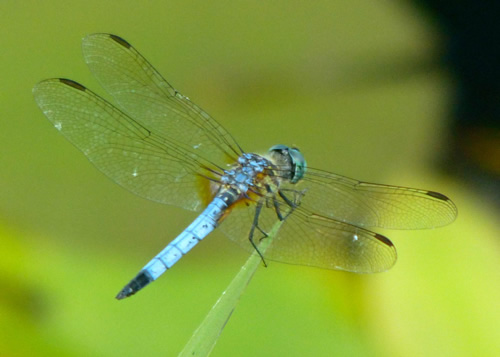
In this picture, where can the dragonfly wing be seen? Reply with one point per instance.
(130, 154)
(372, 205)
(311, 240)
(322, 242)
(148, 98)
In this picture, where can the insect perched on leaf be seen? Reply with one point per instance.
(161, 146)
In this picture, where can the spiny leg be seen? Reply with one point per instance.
(276, 204)
(293, 205)
(277, 208)
(255, 224)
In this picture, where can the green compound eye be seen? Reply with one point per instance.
(297, 161)
(299, 164)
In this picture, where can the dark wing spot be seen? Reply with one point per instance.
(121, 41)
(73, 84)
(437, 195)
(383, 239)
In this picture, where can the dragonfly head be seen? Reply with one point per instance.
(291, 158)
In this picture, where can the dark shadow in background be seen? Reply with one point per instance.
(470, 30)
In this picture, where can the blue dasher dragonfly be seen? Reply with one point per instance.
(163, 147)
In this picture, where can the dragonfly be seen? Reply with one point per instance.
(161, 146)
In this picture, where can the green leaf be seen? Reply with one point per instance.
(206, 335)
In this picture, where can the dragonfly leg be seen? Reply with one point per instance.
(292, 204)
(265, 235)
(255, 224)
(277, 208)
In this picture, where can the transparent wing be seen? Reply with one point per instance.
(308, 239)
(140, 160)
(372, 205)
(148, 98)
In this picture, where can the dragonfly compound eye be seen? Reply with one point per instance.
(299, 165)
(294, 158)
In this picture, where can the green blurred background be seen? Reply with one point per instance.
(341, 80)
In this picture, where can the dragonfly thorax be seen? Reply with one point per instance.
(244, 174)
(261, 173)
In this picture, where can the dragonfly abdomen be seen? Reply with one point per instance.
(195, 232)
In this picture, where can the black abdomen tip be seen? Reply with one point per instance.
(141, 280)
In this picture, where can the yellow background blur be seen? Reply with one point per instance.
(339, 80)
